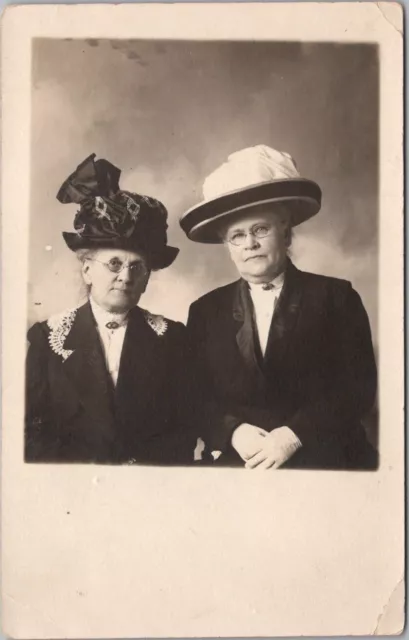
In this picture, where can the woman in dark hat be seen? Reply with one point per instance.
(106, 382)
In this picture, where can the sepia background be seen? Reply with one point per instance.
(168, 113)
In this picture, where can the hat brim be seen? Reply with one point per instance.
(159, 260)
(202, 222)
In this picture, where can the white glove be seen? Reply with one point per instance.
(248, 440)
(278, 447)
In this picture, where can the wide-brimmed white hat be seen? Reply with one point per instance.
(250, 178)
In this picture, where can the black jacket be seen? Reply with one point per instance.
(318, 375)
(73, 411)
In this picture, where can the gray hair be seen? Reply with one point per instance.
(83, 255)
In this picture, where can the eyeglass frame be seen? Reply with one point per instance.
(125, 264)
(251, 232)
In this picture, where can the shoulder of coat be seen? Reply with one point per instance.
(60, 325)
(219, 295)
(159, 324)
(63, 318)
(318, 278)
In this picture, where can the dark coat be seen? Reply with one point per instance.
(318, 375)
(74, 413)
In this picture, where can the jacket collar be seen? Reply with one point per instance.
(285, 316)
(246, 336)
(282, 324)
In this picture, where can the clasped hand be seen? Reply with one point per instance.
(263, 450)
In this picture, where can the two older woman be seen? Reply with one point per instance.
(282, 359)
(107, 382)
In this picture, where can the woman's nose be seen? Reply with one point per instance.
(125, 275)
(251, 241)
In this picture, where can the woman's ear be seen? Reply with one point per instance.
(147, 278)
(288, 232)
(85, 270)
(288, 236)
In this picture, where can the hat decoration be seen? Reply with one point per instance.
(250, 178)
(111, 217)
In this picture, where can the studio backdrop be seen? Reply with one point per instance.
(168, 113)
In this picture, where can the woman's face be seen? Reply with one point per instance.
(117, 278)
(258, 259)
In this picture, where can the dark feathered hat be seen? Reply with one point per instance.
(109, 217)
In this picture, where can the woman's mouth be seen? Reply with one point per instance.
(254, 258)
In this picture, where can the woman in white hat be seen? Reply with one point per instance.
(106, 382)
(285, 357)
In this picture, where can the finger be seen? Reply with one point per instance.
(247, 455)
(277, 464)
(269, 463)
(256, 460)
(262, 432)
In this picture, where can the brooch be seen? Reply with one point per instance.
(60, 325)
(158, 323)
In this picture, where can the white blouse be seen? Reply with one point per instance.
(112, 340)
(265, 301)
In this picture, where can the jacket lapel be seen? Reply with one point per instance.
(87, 370)
(285, 316)
(246, 337)
(141, 367)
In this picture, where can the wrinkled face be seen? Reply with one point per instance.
(117, 278)
(258, 244)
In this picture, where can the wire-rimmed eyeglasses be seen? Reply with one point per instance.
(238, 238)
(116, 266)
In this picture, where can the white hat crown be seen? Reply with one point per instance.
(247, 168)
(249, 178)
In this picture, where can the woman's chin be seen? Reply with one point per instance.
(257, 271)
(121, 301)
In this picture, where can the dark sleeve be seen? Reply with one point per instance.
(186, 396)
(214, 421)
(351, 386)
(38, 440)
(178, 444)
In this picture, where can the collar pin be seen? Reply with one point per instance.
(112, 325)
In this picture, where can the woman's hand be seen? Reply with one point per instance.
(277, 447)
(248, 440)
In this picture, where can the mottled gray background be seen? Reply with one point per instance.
(167, 113)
